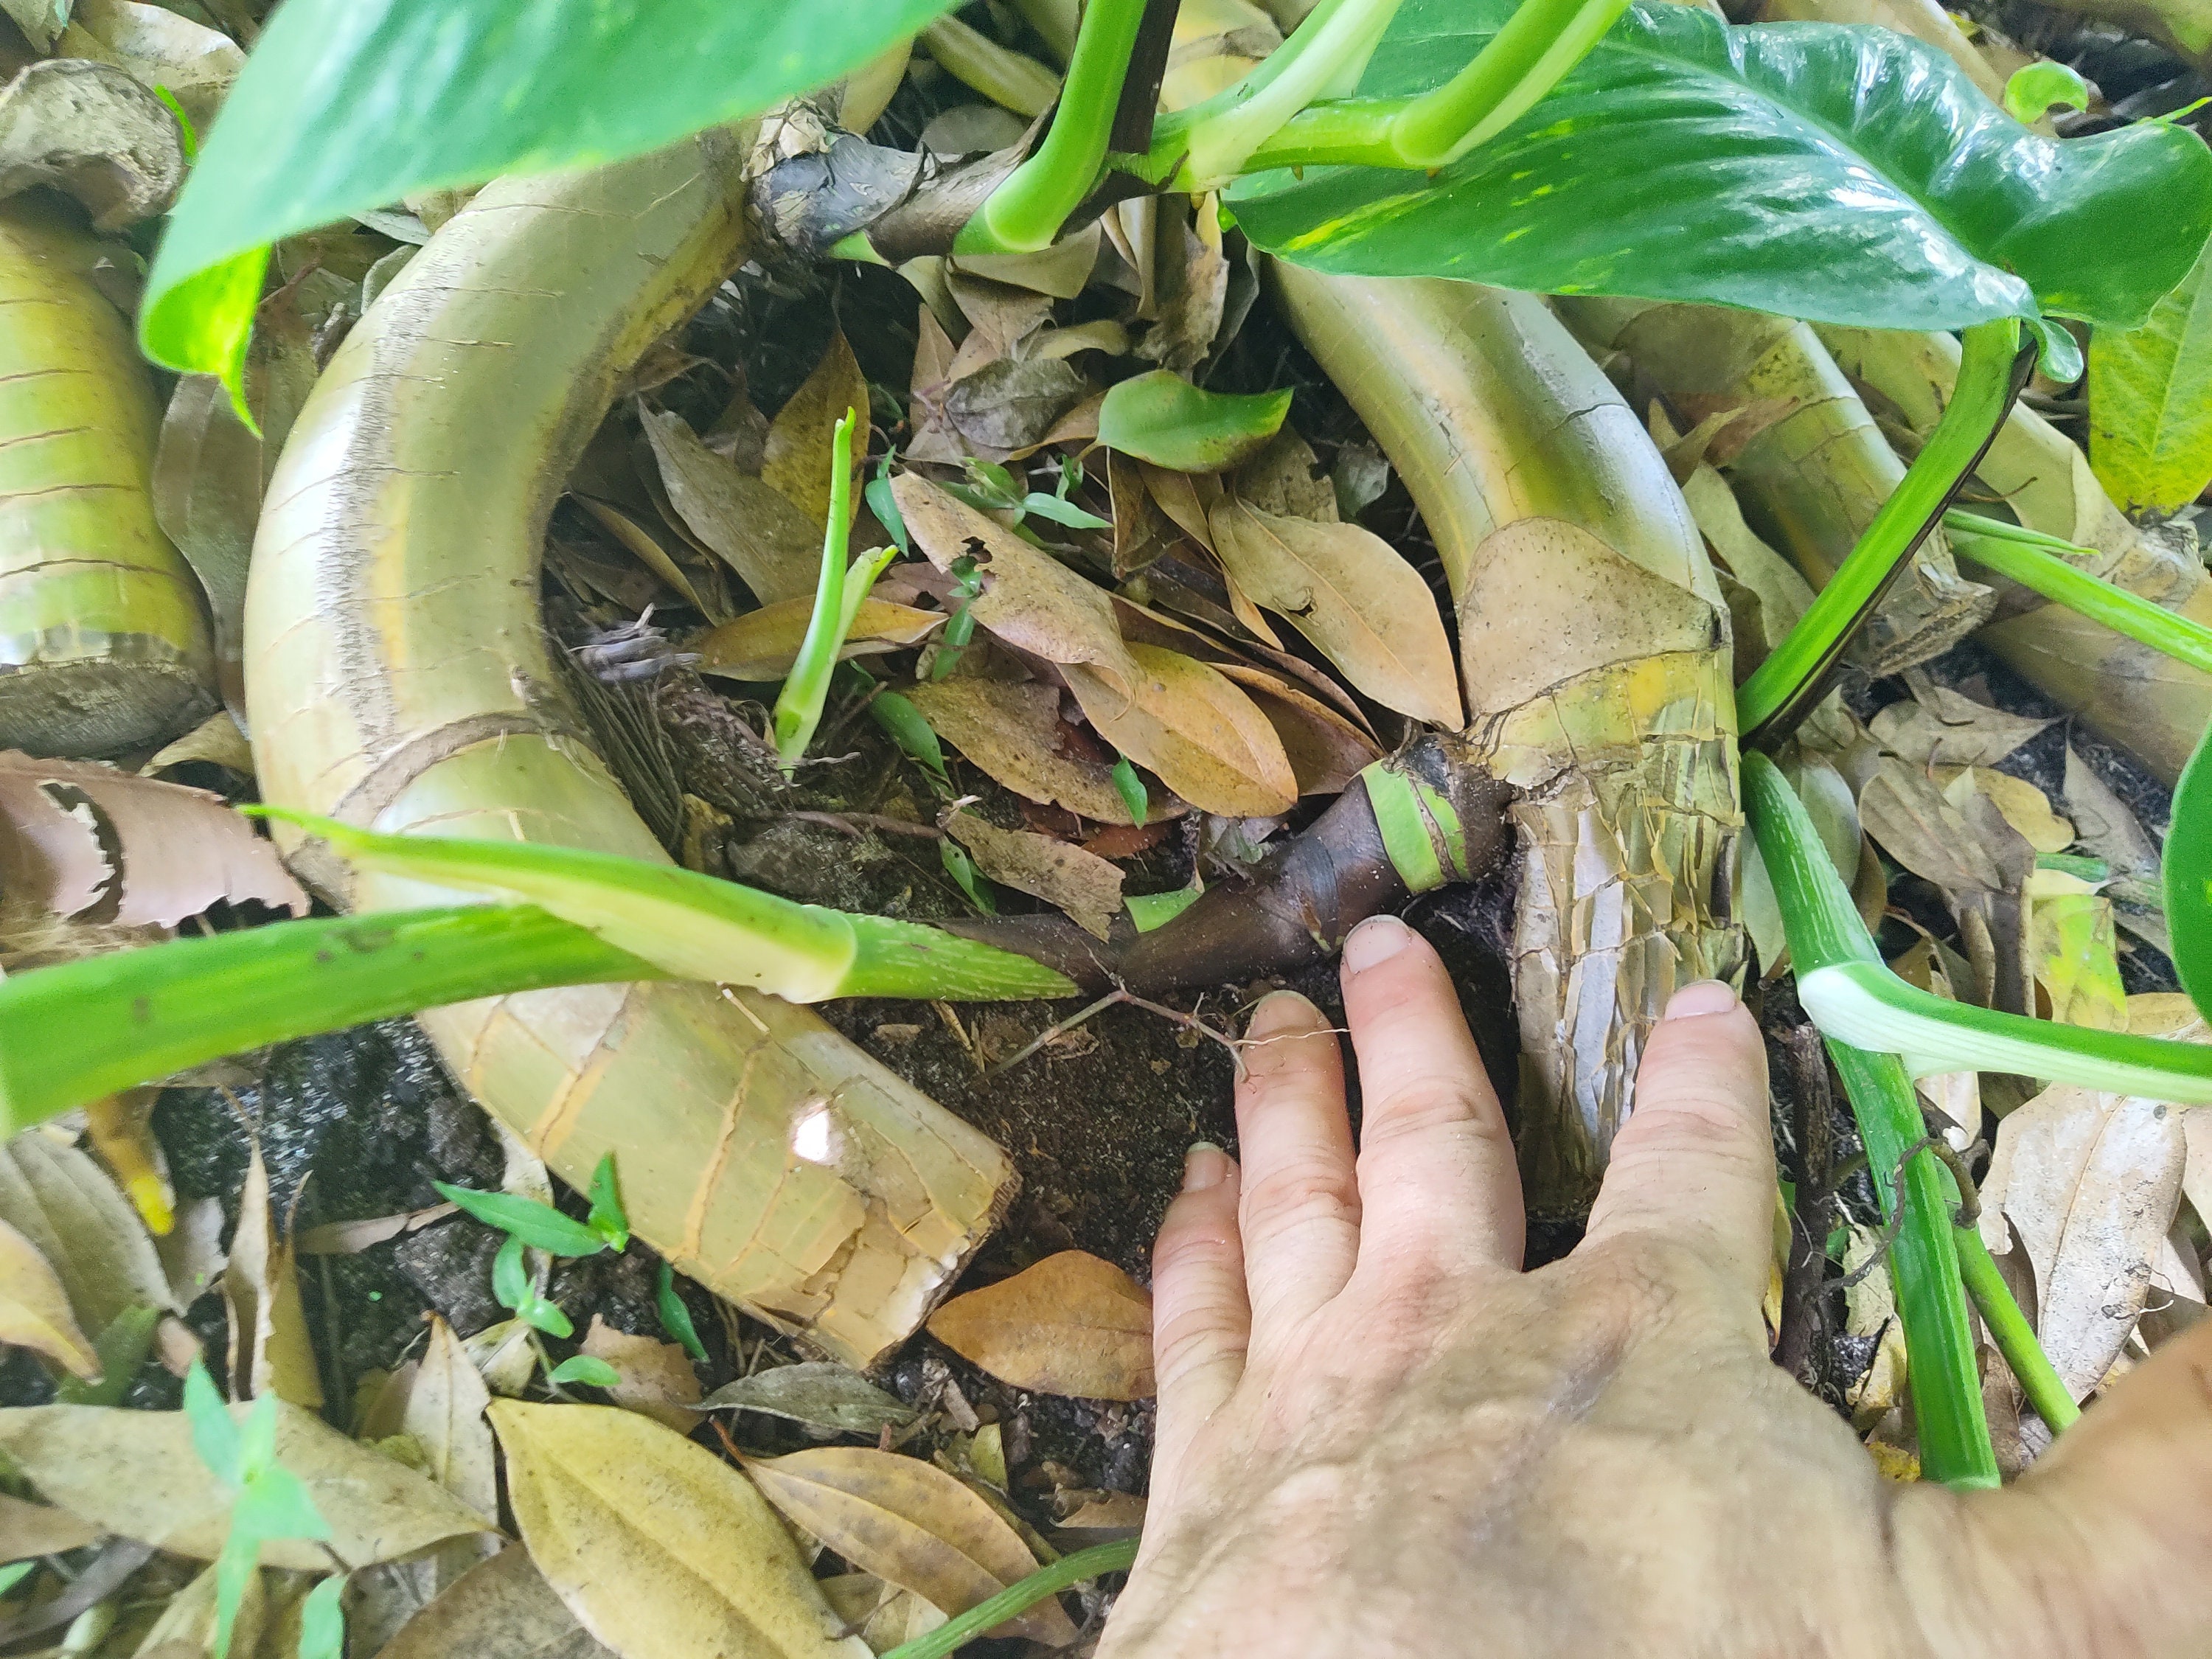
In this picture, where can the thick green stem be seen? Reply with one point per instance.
(1540, 42)
(2035, 560)
(1924, 1265)
(1326, 52)
(2009, 1329)
(1018, 1597)
(799, 705)
(1785, 684)
(1025, 213)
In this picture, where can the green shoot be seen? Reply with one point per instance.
(967, 588)
(607, 1219)
(1132, 790)
(1027, 209)
(885, 507)
(2038, 563)
(675, 1317)
(798, 706)
(1151, 910)
(2014, 1337)
(517, 1290)
(902, 722)
(1854, 998)
(962, 868)
(272, 1502)
(992, 488)
(587, 1369)
(1770, 703)
(539, 1225)
(2035, 90)
(322, 1621)
(1018, 1597)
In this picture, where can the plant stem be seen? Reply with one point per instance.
(1770, 703)
(2035, 561)
(1327, 52)
(1018, 1597)
(2010, 1331)
(1924, 1265)
(1540, 42)
(1026, 211)
(799, 705)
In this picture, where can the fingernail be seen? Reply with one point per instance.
(1705, 996)
(1375, 940)
(1279, 1010)
(1203, 1166)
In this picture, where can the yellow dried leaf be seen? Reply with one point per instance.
(1325, 750)
(661, 1549)
(501, 1609)
(270, 1349)
(121, 1126)
(445, 1412)
(912, 1524)
(34, 1309)
(657, 1378)
(2072, 951)
(762, 644)
(1071, 1325)
(770, 541)
(1348, 590)
(2024, 807)
(1082, 884)
(27, 1529)
(797, 458)
(1012, 731)
(1187, 722)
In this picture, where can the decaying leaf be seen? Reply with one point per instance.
(159, 48)
(885, 1615)
(1347, 590)
(1030, 599)
(762, 644)
(657, 1378)
(34, 1309)
(27, 1529)
(92, 130)
(1071, 1324)
(796, 458)
(2089, 1183)
(1938, 835)
(138, 1474)
(818, 1393)
(1286, 478)
(764, 536)
(181, 849)
(2024, 807)
(2073, 952)
(1014, 404)
(1082, 884)
(1185, 721)
(1142, 532)
(186, 1628)
(269, 1349)
(1326, 751)
(1939, 726)
(656, 1545)
(65, 1204)
(502, 1609)
(647, 548)
(2104, 826)
(444, 1413)
(215, 739)
(1010, 731)
(912, 1524)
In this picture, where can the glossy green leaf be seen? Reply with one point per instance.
(586, 1369)
(2150, 401)
(607, 1219)
(1163, 418)
(348, 105)
(675, 1317)
(902, 722)
(539, 1225)
(2189, 876)
(1841, 175)
(2035, 90)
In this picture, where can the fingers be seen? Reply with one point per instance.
(1201, 1321)
(1437, 1175)
(1299, 1213)
(1694, 1164)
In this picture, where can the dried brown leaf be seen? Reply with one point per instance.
(66, 1206)
(1082, 884)
(1185, 497)
(1347, 590)
(1286, 478)
(502, 1609)
(1014, 404)
(1206, 740)
(135, 1474)
(215, 740)
(2024, 807)
(659, 1547)
(1326, 751)
(767, 538)
(1940, 838)
(657, 1378)
(1072, 1324)
(620, 524)
(818, 1393)
(762, 644)
(1010, 731)
(181, 850)
(1142, 533)
(27, 1529)
(34, 1309)
(1939, 726)
(269, 1349)
(911, 1524)
(795, 458)
(444, 1413)
(1030, 599)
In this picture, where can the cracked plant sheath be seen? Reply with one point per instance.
(2134, 697)
(104, 645)
(1594, 651)
(398, 678)
(1817, 468)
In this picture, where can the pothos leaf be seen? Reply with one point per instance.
(1848, 175)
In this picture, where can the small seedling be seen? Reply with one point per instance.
(606, 1219)
(967, 588)
(962, 868)
(902, 722)
(1131, 788)
(539, 1225)
(586, 1369)
(675, 1317)
(510, 1282)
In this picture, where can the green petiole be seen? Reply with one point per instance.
(1327, 53)
(1026, 211)
(2039, 562)
(2009, 1329)
(1017, 1598)
(1770, 703)
(799, 705)
(1540, 42)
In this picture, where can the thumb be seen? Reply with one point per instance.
(2104, 1541)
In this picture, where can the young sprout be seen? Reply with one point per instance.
(2039, 562)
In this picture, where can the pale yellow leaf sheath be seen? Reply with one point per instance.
(103, 643)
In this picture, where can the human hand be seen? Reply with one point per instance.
(1378, 1436)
